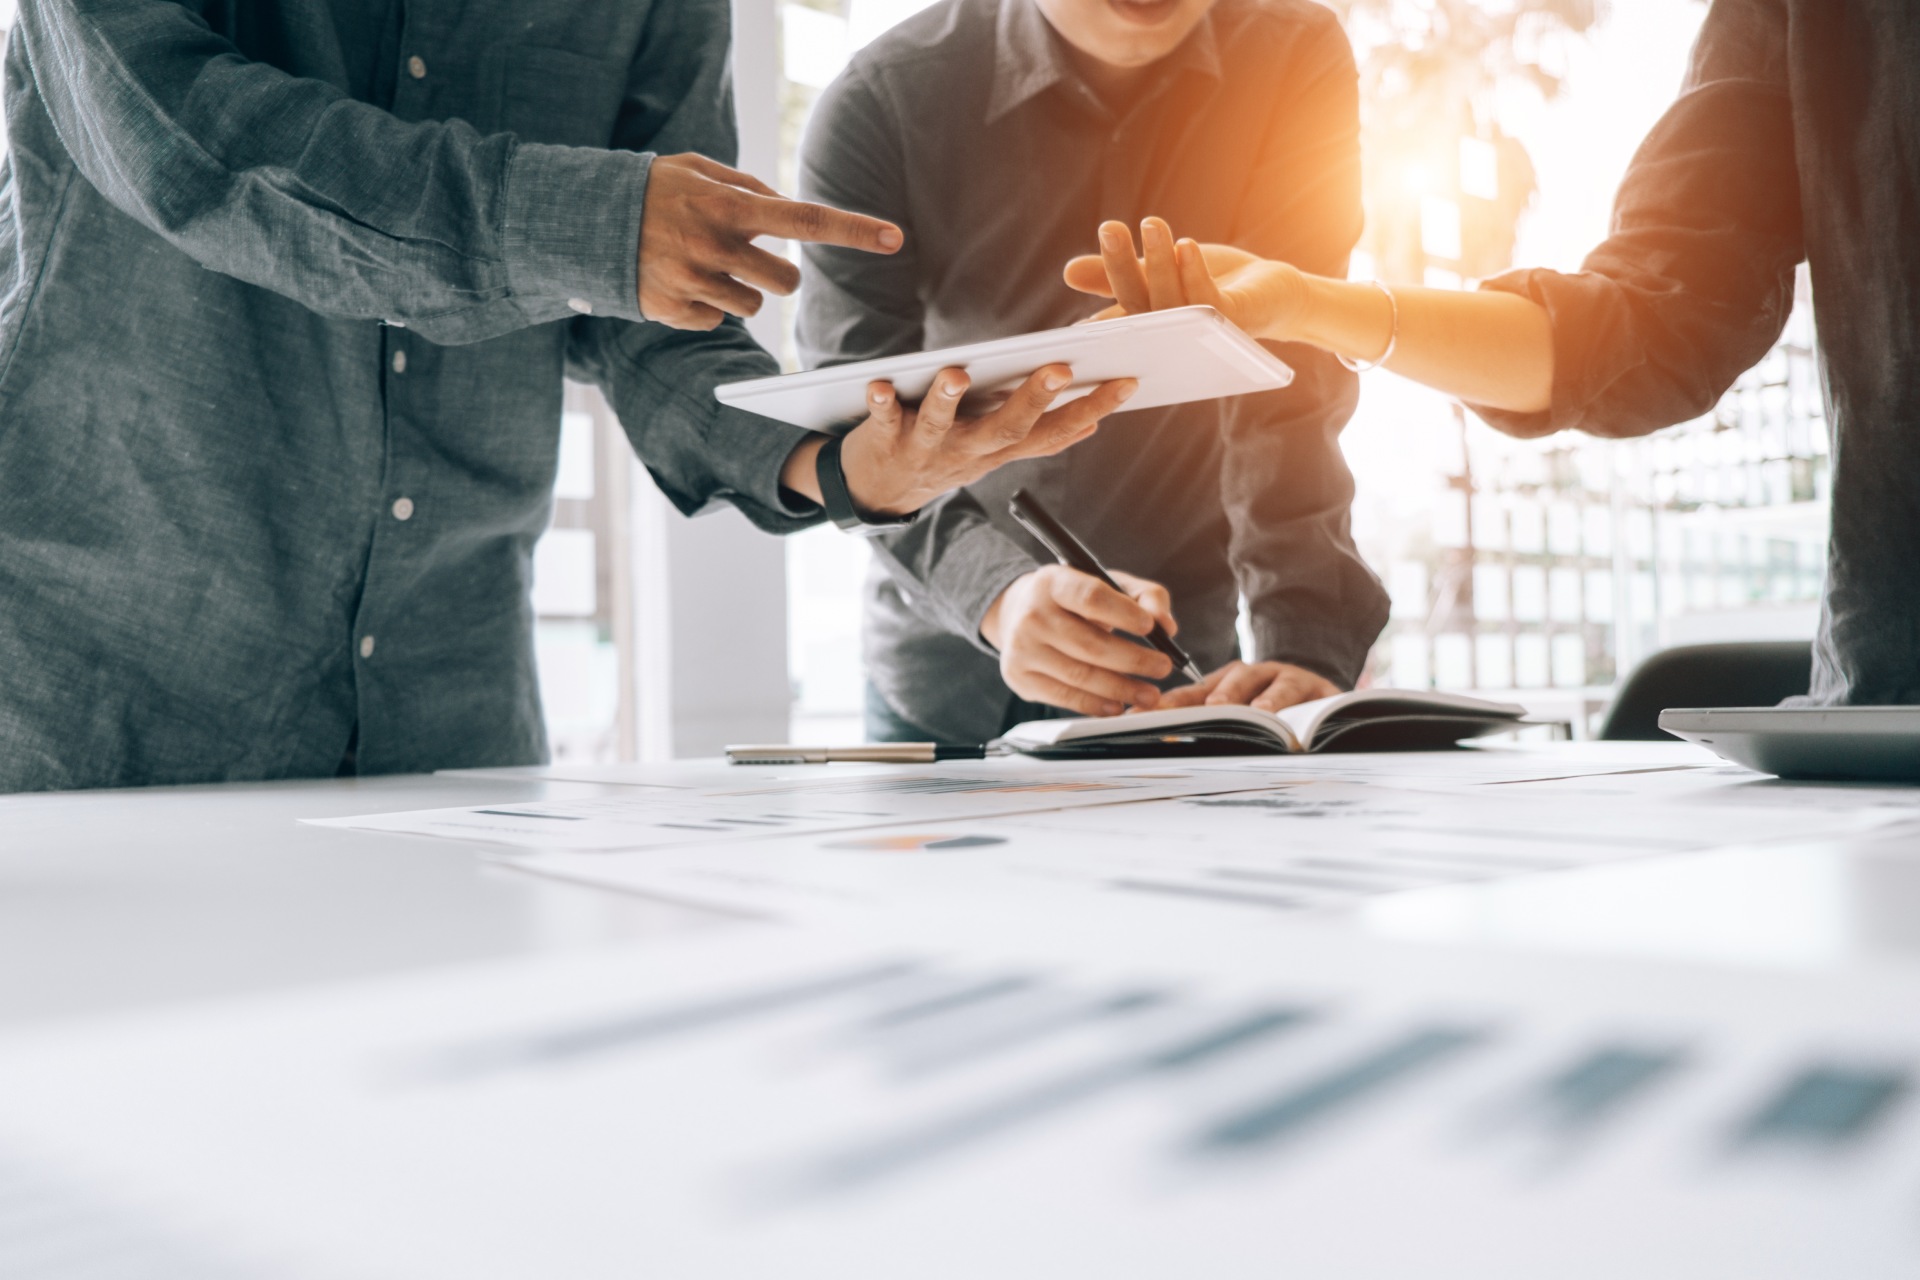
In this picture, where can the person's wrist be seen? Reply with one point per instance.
(992, 620)
(1338, 316)
(870, 482)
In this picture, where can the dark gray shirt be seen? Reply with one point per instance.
(287, 291)
(968, 126)
(1793, 138)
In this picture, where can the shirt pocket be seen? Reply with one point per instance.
(555, 95)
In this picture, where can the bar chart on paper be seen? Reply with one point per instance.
(748, 806)
(1299, 846)
(843, 1107)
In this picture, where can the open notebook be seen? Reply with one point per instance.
(1366, 720)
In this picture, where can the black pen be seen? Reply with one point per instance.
(1068, 550)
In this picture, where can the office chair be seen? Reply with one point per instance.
(1750, 674)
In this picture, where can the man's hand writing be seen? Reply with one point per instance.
(902, 458)
(1055, 628)
(698, 261)
(1270, 686)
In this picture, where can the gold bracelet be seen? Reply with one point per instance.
(1393, 335)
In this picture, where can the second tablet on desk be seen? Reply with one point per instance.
(1179, 356)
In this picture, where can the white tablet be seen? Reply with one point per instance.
(1875, 743)
(1181, 355)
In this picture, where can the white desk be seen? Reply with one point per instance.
(128, 901)
(117, 899)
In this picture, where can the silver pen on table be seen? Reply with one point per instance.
(869, 753)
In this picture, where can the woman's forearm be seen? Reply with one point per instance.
(1487, 348)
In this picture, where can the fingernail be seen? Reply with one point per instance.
(1111, 708)
(1054, 381)
(950, 388)
(1111, 234)
(891, 238)
(1126, 390)
(878, 397)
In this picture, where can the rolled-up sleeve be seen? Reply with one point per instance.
(1696, 281)
(284, 182)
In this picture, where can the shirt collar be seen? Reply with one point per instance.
(1028, 59)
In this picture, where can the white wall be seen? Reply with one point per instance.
(710, 593)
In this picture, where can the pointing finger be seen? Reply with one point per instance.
(708, 167)
(819, 224)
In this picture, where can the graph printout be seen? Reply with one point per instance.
(1300, 847)
(748, 804)
(772, 1103)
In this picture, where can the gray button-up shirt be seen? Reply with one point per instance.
(968, 126)
(287, 291)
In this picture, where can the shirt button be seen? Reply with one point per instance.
(403, 508)
(366, 646)
(581, 305)
(417, 67)
(399, 362)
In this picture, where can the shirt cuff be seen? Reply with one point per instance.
(1585, 316)
(756, 450)
(1324, 651)
(572, 234)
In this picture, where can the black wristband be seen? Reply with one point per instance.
(837, 499)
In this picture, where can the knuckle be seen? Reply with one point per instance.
(810, 219)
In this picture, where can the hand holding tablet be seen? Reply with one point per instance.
(1177, 356)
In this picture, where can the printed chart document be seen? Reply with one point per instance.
(750, 803)
(769, 1103)
(1303, 847)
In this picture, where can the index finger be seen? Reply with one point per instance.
(1153, 597)
(1094, 600)
(1124, 272)
(1087, 274)
(822, 224)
